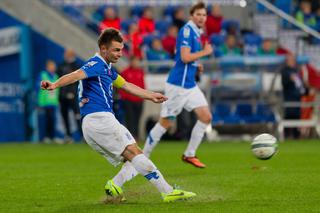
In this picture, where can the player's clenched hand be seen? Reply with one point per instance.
(208, 49)
(47, 85)
(158, 97)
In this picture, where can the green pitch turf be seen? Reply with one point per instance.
(70, 178)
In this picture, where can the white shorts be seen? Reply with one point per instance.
(179, 98)
(103, 132)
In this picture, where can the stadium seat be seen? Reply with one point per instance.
(245, 112)
(162, 26)
(251, 43)
(252, 39)
(169, 11)
(137, 10)
(230, 24)
(217, 39)
(75, 14)
(285, 6)
(147, 40)
(98, 14)
(265, 113)
(222, 114)
(126, 23)
(261, 9)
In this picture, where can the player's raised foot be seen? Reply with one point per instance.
(176, 195)
(194, 161)
(114, 191)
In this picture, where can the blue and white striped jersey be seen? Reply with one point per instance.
(182, 74)
(95, 92)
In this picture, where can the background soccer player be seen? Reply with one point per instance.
(100, 128)
(181, 88)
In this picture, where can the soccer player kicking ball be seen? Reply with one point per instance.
(181, 88)
(100, 128)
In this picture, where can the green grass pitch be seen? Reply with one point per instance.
(71, 178)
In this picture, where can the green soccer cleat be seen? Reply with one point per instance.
(114, 191)
(177, 194)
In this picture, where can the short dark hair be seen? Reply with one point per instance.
(198, 6)
(109, 35)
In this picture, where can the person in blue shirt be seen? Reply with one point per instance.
(181, 88)
(157, 53)
(101, 130)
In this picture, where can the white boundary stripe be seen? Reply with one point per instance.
(104, 94)
(80, 89)
(102, 59)
(195, 29)
(184, 75)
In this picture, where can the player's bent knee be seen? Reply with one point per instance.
(165, 123)
(131, 151)
(206, 118)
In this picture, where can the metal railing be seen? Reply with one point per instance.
(289, 18)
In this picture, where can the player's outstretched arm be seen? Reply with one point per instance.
(64, 80)
(187, 56)
(142, 93)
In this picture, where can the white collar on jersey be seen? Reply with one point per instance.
(195, 28)
(99, 56)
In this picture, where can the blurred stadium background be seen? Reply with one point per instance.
(253, 43)
(242, 83)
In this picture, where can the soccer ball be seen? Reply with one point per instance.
(264, 146)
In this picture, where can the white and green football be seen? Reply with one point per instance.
(264, 146)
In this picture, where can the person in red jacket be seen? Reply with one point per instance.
(146, 22)
(214, 20)
(134, 40)
(133, 105)
(110, 20)
(169, 40)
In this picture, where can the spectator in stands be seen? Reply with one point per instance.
(157, 53)
(311, 78)
(307, 112)
(179, 19)
(134, 40)
(231, 46)
(68, 95)
(48, 102)
(292, 89)
(281, 50)
(146, 22)
(110, 19)
(267, 48)
(133, 105)
(214, 20)
(169, 40)
(304, 15)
